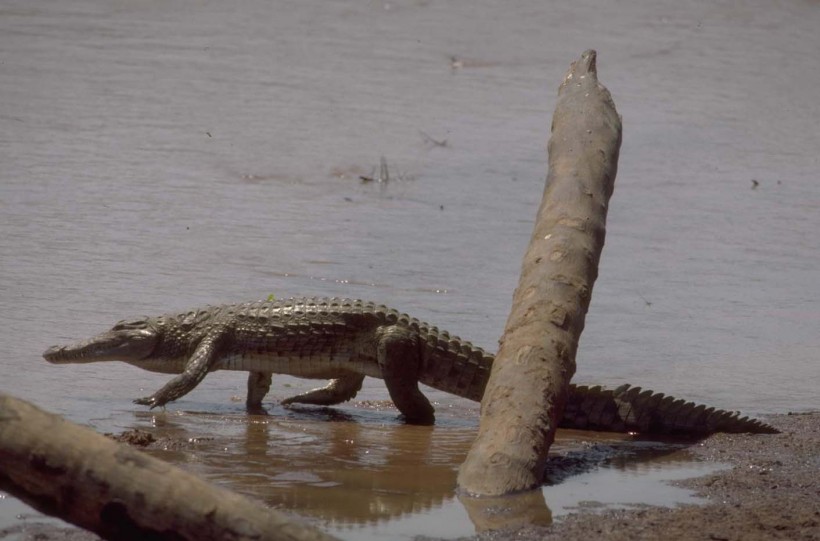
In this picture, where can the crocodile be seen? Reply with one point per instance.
(345, 340)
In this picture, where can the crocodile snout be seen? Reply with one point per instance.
(53, 353)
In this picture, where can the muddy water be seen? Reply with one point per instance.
(158, 157)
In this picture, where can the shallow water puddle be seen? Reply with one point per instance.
(360, 474)
(606, 487)
(642, 483)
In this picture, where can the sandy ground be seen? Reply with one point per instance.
(773, 492)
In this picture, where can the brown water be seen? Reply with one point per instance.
(157, 157)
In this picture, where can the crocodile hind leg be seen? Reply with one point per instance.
(258, 387)
(337, 391)
(400, 362)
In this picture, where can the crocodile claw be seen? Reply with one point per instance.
(150, 401)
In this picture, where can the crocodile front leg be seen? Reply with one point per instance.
(337, 391)
(198, 366)
(258, 387)
(400, 362)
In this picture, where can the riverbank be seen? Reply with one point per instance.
(772, 492)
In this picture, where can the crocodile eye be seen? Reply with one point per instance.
(189, 321)
(130, 324)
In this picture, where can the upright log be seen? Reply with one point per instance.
(73, 473)
(528, 385)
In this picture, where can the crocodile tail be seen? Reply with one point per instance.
(630, 409)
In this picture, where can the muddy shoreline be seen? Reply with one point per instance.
(770, 493)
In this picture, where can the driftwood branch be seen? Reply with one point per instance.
(528, 386)
(71, 472)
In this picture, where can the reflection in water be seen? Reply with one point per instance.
(322, 464)
(516, 511)
(361, 472)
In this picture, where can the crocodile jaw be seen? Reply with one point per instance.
(114, 345)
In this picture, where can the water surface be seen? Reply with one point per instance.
(158, 157)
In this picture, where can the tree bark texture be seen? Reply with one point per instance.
(71, 472)
(536, 359)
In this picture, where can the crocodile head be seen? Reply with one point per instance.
(129, 341)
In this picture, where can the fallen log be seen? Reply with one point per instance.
(529, 381)
(119, 493)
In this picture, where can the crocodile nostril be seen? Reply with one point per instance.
(53, 353)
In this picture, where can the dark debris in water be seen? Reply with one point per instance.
(140, 438)
(592, 456)
(134, 437)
